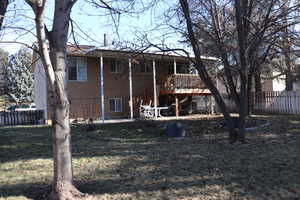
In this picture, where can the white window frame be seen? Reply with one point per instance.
(120, 66)
(121, 106)
(77, 68)
(144, 64)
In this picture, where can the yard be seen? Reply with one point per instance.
(134, 161)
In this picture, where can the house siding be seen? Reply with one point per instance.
(85, 95)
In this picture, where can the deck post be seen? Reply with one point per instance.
(175, 68)
(154, 89)
(212, 105)
(102, 88)
(176, 106)
(130, 88)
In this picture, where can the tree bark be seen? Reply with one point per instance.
(63, 174)
(287, 47)
(249, 92)
(54, 61)
(257, 80)
(242, 24)
(3, 8)
(289, 79)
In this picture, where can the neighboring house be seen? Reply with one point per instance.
(277, 83)
(128, 77)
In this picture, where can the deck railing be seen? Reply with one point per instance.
(182, 81)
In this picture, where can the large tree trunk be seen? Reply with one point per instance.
(287, 47)
(242, 27)
(249, 92)
(289, 79)
(63, 175)
(3, 7)
(257, 80)
(54, 61)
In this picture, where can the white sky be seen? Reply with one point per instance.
(94, 22)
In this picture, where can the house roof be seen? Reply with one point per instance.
(112, 51)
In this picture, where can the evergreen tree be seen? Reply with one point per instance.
(19, 77)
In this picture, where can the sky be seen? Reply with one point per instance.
(93, 23)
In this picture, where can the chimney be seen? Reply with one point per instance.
(107, 41)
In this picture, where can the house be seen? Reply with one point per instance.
(106, 83)
(275, 81)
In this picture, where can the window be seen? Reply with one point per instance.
(115, 105)
(115, 66)
(24, 106)
(77, 69)
(185, 68)
(145, 66)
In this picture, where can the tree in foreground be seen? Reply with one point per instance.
(53, 57)
(239, 30)
(3, 8)
(52, 46)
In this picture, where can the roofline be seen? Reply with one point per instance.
(169, 54)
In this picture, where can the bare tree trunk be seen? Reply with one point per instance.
(249, 94)
(231, 85)
(3, 7)
(287, 46)
(243, 109)
(242, 26)
(289, 78)
(54, 61)
(63, 174)
(204, 74)
(257, 79)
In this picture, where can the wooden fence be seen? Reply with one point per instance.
(271, 102)
(9, 118)
(284, 102)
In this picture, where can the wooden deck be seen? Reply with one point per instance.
(183, 84)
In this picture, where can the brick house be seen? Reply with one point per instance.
(108, 83)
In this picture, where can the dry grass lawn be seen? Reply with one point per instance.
(134, 161)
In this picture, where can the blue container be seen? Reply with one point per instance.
(175, 129)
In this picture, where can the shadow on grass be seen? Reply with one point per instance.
(256, 171)
(36, 191)
(267, 168)
(23, 143)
